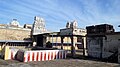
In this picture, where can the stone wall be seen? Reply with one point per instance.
(14, 34)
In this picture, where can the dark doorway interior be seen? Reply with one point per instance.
(40, 41)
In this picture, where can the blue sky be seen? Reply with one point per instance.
(57, 12)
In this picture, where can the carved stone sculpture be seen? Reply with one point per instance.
(14, 23)
(68, 25)
(38, 26)
(74, 24)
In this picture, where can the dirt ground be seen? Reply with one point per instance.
(58, 63)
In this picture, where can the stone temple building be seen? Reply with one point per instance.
(13, 31)
(13, 35)
(71, 29)
(14, 23)
(38, 26)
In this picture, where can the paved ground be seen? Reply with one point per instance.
(58, 63)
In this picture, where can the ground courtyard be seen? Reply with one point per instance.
(58, 63)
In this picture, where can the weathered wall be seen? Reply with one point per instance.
(14, 34)
(93, 44)
(110, 45)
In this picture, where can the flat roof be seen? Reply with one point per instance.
(66, 35)
(15, 41)
(103, 34)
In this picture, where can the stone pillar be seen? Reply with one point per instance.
(44, 41)
(72, 46)
(6, 52)
(84, 46)
(62, 42)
